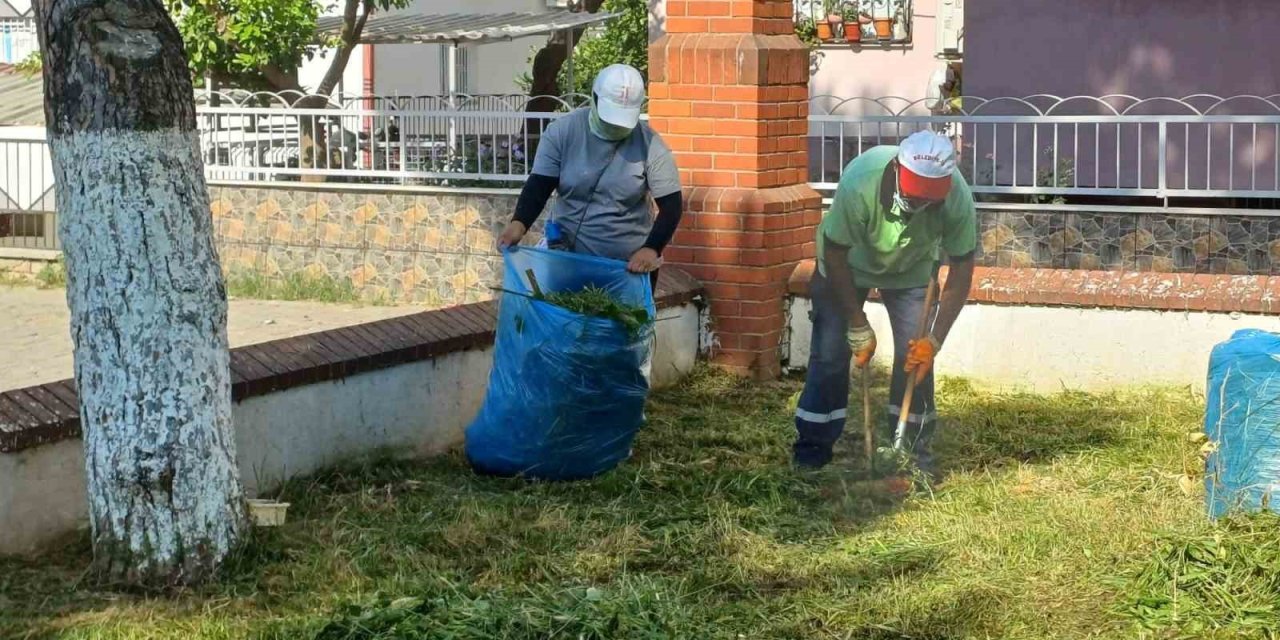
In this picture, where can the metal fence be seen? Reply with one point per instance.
(1202, 152)
(27, 219)
(461, 140)
(1204, 149)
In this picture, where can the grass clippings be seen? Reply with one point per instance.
(1057, 517)
(598, 303)
(296, 286)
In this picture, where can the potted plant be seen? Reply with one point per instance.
(825, 34)
(834, 19)
(882, 14)
(852, 22)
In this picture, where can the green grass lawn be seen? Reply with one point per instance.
(1058, 517)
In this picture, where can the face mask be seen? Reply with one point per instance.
(606, 131)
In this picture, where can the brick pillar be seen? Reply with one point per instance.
(729, 91)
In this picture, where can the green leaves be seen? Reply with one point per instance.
(237, 39)
(624, 39)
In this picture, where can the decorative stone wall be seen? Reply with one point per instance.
(436, 248)
(430, 248)
(1141, 242)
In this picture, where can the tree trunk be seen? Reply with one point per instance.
(148, 305)
(546, 72)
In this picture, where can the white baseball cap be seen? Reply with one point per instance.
(927, 160)
(619, 90)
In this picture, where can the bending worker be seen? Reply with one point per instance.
(604, 165)
(896, 210)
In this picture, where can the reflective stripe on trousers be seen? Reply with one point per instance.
(824, 403)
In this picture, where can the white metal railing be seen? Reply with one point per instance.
(27, 218)
(406, 140)
(1203, 152)
(1202, 147)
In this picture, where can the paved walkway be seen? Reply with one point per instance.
(35, 342)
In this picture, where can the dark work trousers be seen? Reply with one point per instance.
(824, 403)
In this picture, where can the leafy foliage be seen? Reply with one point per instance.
(30, 66)
(623, 40)
(236, 39)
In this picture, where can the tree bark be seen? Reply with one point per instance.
(147, 300)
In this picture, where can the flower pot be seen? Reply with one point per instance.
(268, 513)
(825, 33)
(884, 28)
(852, 31)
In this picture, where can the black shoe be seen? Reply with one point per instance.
(811, 458)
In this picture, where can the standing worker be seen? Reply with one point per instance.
(895, 211)
(604, 165)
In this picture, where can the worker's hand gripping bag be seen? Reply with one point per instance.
(566, 393)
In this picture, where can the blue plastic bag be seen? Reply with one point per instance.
(1242, 421)
(567, 391)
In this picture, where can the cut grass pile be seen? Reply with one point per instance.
(598, 303)
(1059, 517)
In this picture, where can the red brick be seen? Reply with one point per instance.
(691, 92)
(1198, 297)
(1250, 292)
(731, 25)
(713, 110)
(718, 221)
(689, 126)
(712, 179)
(696, 160)
(1271, 295)
(662, 108)
(739, 128)
(708, 8)
(737, 324)
(677, 8)
(734, 162)
(710, 144)
(686, 25)
(725, 308)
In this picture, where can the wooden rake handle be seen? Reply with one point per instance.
(905, 410)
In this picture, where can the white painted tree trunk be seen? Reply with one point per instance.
(148, 305)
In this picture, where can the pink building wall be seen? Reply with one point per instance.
(875, 71)
(1144, 48)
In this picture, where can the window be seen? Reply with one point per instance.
(857, 22)
(463, 71)
(17, 39)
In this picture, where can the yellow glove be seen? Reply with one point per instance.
(862, 341)
(920, 355)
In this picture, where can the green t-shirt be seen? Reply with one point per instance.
(886, 250)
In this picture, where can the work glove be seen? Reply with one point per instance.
(862, 342)
(920, 355)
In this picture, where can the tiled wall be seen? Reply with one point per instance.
(434, 249)
(1143, 242)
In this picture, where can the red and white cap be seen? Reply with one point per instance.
(926, 161)
(619, 90)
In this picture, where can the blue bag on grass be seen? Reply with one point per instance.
(1242, 421)
(567, 391)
